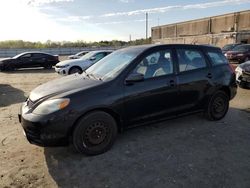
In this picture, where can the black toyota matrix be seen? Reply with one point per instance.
(130, 87)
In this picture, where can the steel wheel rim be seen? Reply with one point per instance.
(95, 134)
(219, 106)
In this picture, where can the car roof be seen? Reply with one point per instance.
(97, 51)
(35, 52)
(148, 46)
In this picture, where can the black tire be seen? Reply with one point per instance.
(94, 133)
(74, 70)
(217, 106)
(48, 67)
(9, 68)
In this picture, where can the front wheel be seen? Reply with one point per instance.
(95, 133)
(74, 70)
(217, 106)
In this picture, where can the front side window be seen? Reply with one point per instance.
(217, 58)
(26, 56)
(99, 56)
(190, 60)
(156, 64)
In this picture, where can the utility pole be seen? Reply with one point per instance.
(146, 25)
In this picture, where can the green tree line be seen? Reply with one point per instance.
(67, 44)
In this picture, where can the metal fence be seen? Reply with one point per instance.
(54, 51)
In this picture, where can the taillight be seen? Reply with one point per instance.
(56, 57)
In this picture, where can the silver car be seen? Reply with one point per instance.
(79, 65)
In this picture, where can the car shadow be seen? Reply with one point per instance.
(10, 95)
(185, 152)
(31, 70)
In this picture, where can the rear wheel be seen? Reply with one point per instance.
(74, 70)
(95, 133)
(217, 106)
(48, 67)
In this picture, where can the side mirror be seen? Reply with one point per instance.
(134, 77)
(92, 58)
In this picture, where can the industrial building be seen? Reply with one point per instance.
(216, 30)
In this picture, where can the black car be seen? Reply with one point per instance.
(239, 53)
(29, 60)
(229, 47)
(243, 74)
(130, 87)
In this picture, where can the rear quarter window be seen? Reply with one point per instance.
(217, 58)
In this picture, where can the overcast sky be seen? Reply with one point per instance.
(95, 20)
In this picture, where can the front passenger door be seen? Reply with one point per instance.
(24, 61)
(155, 96)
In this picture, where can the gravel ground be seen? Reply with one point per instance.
(185, 152)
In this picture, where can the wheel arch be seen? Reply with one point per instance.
(226, 90)
(74, 66)
(109, 111)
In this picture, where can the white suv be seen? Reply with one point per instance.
(79, 65)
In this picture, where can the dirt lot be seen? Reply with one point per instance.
(185, 152)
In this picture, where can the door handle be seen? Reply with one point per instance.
(209, 75)
(172, 83)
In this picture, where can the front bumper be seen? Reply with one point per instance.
(235, 58)
(45, 131)
(61, 71)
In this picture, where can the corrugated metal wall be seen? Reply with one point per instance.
(217, 30)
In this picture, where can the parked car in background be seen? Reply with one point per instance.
(78, 55)
(243, 74)
(130, 87)
(79, 65)
(239, 53)
(29, 60)
(229, 47)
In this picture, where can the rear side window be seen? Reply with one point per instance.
(217, 58)
(39, 55)
(190, 60)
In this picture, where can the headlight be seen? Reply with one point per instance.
(51, 106)
(61, 66)
(238, 69)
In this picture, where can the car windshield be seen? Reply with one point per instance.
(229, 47)
(110, 66)
(88, 55)
(241, 48)
(19, 55)
(80, 53)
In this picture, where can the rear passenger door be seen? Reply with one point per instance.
(38, 60)
(193, 77)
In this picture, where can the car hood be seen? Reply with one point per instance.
(66, 62)
(5, 59)
(61, 85)
(235, 52)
